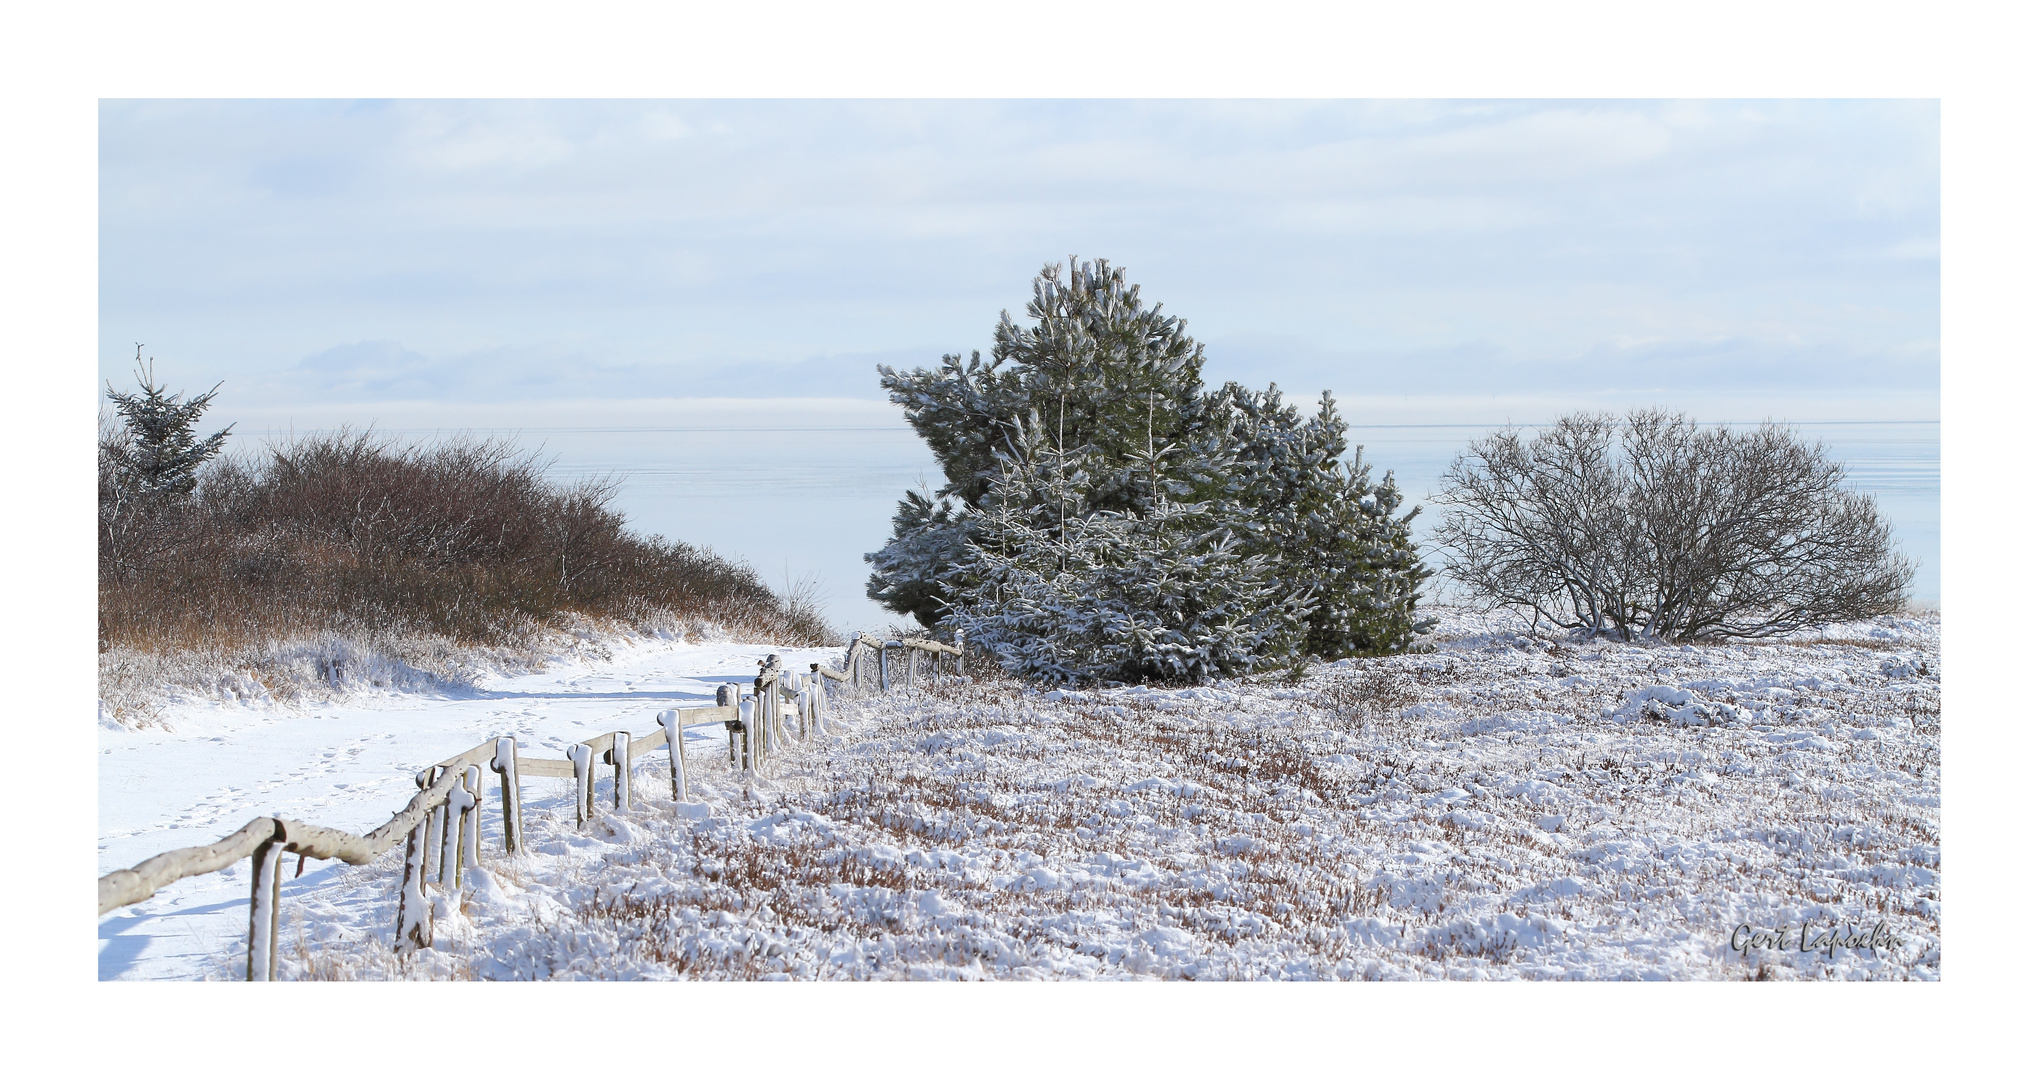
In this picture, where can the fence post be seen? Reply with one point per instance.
(460, 804)
(730, 695)
(505, 764)
(618, 755)
(470, 825)
(425, 777)
(675, 751)
(583, 784)
(779, 681)
(770, 727)
(959, 651)
(820, 705)
(437, 822)
(884, 669)
(413, 914)
(747, 723)
(760, 716)
(262, 906)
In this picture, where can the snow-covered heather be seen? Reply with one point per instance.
(1505, 807)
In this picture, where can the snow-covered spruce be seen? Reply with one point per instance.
(1507, 807)
(1106, 519)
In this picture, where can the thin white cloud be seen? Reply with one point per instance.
(502, 243)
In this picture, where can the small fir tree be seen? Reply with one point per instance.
(161, 452)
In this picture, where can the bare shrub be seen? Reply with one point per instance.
(1372, 694)
(352, 534)
(1651, 527)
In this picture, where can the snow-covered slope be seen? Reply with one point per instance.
(207, 768)
(1506, 807)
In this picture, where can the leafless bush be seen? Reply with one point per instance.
(351, 533)
(1368, 694)
(1676, 533)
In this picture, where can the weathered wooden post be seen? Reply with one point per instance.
(746, 724)
(781, 681)
(770, 726)
(505, 765)
(470, 827)
(675, 752)
(959, 652)
(262, 906)
(438, 826)
(759, 719)
(730, 696)
(413, 914)
(583, 782)
(618, 755)
(788, 732)
(446, 846)
(424, 778)
(884, 670)
(459, 803)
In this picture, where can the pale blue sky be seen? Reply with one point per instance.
(569, 272)
(1742, 259)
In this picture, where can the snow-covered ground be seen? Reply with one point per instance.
(1505, 807)
(203, 768)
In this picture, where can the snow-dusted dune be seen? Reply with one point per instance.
(349, 766)
(1516, 807)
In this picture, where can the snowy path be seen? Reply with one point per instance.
(349, 765)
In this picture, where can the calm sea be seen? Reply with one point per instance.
(803, 492)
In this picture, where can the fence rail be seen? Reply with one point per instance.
(863, 651)
(441, 823)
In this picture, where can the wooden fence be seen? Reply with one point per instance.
(870, 659)
(441, 827)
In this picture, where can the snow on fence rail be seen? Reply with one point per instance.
(442, 823)
(864, 651)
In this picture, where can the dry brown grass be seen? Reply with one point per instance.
(1278, 841)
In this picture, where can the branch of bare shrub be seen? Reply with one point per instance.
(1651, 527)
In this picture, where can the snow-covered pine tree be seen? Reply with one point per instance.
(1330, 530)
(161, 452)
(1105, 374)
(928, 542)
(1117, 522)
(1165, 594)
